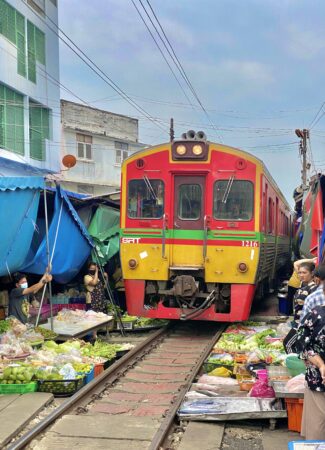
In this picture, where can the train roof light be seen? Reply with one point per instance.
(197, 150)
(181, 150)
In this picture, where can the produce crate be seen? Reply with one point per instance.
(109, 362)
(98, 369)
(74, 306)
(294, 409)
(89, 376)
(246, 384)
(127, 324)
(61, 388)
(45, 312)
(60, 300)
(120, 353)
(18, 388)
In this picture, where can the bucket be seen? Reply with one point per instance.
(285, 305)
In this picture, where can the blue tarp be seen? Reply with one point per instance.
(69, 239)
(19, 200)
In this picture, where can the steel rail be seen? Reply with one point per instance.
(87, 394)
(165, 427)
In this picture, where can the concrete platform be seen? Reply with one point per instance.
(203, 436)
(17, 410)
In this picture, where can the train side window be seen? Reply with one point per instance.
(233, 201)
(189, 202)
(270, 216)
(146, 199)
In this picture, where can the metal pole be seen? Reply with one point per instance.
(48, 255)
(110, 295)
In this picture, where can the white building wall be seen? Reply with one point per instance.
(102, 173)
(45, 91)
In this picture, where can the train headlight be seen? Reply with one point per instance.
(132, 263)
(242, 267)
(181, 149)
(197, 150)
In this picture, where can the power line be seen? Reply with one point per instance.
(94, 67)
(176, 62)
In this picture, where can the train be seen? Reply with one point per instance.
(204, 229)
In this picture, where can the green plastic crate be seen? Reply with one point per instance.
(18, 388)
(61, 388)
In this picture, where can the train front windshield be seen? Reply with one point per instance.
(233, 200)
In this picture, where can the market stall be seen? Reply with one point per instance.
(70, 324)
(32, 360)
(246, 376)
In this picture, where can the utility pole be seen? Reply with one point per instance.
(303, 135)
(171, 130)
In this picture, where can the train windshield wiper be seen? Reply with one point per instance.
(228, 189)
(149, 186)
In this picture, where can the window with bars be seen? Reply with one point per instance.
(84, 146)
(39, 130)
(11, 120)
(121, 152)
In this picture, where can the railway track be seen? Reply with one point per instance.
(133, 404)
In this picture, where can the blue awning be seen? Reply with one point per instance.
(69, 242)
(19, 200)
(13, 183)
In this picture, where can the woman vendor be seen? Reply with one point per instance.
(95, 297)
(307, 286)
(311, 347)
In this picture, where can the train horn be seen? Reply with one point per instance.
(200, 135)
(190, 134)
(184, 136)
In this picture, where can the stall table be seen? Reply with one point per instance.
(76, 330)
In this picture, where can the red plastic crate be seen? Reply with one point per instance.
(45, 311)
(75, 306)
(294, 409)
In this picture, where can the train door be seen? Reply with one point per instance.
(188, 221)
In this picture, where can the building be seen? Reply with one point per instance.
(29, 87)
(100, 141)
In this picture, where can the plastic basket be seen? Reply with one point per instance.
(294, 409)
(88, 375)
(98, 369)
(60, 300)
(120, 353)
(109, 362)
(18, 388)
(61, 388)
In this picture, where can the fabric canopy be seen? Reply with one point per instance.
(105, 229)
(69, 242)
(19, 200)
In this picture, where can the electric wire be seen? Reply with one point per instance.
(94, 67)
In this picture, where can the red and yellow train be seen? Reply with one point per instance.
(203, 228)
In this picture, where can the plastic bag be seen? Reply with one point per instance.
(296, 384)
(262, 390)
(206, 379)
(283, 328)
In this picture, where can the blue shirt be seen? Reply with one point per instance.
(316, 298)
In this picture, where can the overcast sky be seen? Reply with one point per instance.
(257, 66)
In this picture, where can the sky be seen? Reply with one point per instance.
(257, 68)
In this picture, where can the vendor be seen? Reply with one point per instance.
(95, 297)
(310, 346)
(18, 300)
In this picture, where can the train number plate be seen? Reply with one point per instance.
(249, 244)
